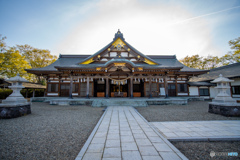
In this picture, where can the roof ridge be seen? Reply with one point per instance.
(73, 55)
(222, 67)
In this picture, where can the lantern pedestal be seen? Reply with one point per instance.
(15, 105)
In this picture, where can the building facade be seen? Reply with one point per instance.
(202, 86)
(117, 70)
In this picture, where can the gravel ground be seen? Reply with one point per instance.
(201, 150)
(50, 132)
(194, 111)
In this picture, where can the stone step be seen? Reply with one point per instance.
(105, 103)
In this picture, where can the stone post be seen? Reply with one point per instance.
(33, 92)
(166, 86)
(71, 85)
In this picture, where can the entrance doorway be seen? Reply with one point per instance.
(171, 90)
(64, 90)
(99, 88)
(119, 90)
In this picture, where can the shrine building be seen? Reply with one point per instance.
(117, 70)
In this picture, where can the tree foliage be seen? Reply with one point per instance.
(14, 60)
(12, 63)
(232, 56)
(211, 62)
(37, 58)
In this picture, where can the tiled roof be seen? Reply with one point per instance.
(34, 86)
(200, 84)
(229, 71)
(72, 61)
(63, 60)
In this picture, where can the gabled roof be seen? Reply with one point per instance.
(229, 71)
(118, 35)
(146, 62)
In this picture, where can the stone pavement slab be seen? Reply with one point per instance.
(122, 133)
(199, 130)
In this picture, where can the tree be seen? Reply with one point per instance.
(2, 47)
(232, 56)
(211, 62)
(194, 61)
(13, 63)
(14, 60)
(37, 58)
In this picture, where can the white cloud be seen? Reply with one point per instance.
(152, 29)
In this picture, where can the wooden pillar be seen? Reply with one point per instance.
(33, 92)
(87, 94)
(131, 87)
(107, 88)
(166, 86)
(59, 85)
(46, 91)
(71, 85)
(150, 87)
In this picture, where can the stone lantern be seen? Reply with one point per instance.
(223, 84)
(15, 105)
(223, 103)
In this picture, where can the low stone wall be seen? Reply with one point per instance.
(14, 111)
(168, 102)
(224, 110)
(42, 99)
(191, 99)
(71, 102)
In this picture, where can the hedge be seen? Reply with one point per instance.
(4, 93)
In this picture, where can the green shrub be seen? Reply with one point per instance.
(4, 93)
(38, 92)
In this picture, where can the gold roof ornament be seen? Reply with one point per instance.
(149, 62)
(119, 64)
(98, 68)
(118, 42)
(88, 61)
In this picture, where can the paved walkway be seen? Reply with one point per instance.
(215, 130)
(122, 133)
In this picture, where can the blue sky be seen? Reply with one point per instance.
(164, 27)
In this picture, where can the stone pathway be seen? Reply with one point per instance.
(122, 133)
(199, 130)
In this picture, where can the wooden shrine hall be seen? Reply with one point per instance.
(117, 70)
